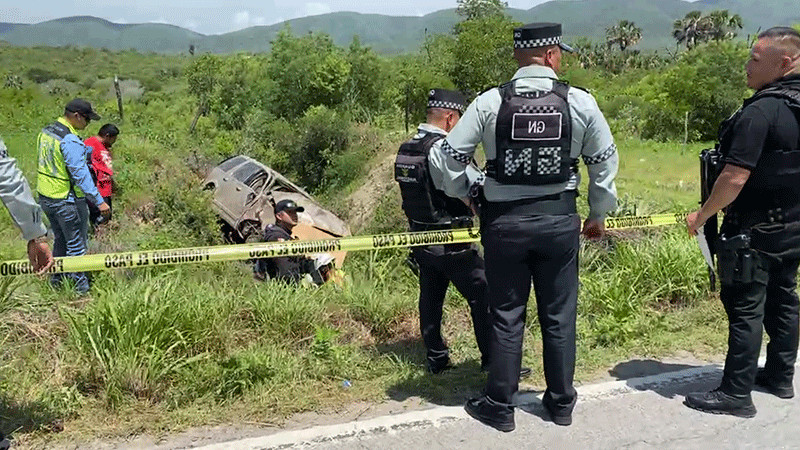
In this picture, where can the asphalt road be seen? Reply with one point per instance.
(635, 413)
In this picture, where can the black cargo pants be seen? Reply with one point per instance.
(438, 267)
(520, 248)
(771, 299)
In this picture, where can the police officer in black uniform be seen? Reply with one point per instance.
(759, 249)
(534, 129)
(289, 269)
(428, 208)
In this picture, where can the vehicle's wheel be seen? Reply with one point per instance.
(229, 234)
(250, 232)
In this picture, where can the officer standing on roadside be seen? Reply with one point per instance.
(759, 251)
(533, 130)
(417, 170)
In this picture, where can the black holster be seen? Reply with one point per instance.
(738, 263)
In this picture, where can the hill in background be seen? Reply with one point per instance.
(392, 34)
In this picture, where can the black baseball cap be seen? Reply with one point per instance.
(83, 108)
(288, 205)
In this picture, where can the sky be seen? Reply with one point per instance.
(216, 16)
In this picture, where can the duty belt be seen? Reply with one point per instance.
(550, 205)
(747, 219)
(455, 223)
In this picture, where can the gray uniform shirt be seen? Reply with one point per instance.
(591, 140)
(460, 184)
(17, 196)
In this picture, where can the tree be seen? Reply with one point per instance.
(695, 28)
(689, 29)
(722, 26)
(482, 53)
(201, 75)
(307, 71)
(624, 34)
(475, 9)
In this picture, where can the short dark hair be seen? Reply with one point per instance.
(109, 130)
(779, 33)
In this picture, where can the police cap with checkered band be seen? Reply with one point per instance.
(535, 35)
(443, 98)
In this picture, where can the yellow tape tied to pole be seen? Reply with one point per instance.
(196, 255)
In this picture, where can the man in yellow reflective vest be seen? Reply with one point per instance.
(64, 183)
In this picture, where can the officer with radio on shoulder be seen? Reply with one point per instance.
(419, 172)
(533, 129)
(428, 208)
(758, 252)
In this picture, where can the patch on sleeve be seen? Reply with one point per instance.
(602, 157)
(458, 156)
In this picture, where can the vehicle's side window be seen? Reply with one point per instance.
(230, 163)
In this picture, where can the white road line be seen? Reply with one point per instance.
(440, 415)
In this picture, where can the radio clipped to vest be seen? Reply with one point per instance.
(534, 137)
(422, 202)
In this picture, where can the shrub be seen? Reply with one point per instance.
(325, 135)
(708, 83)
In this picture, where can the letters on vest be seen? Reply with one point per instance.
(533, 136)
(422, 202)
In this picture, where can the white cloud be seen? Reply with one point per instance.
(241, 18)
(317, 8)
(120, 20)
(191, 24)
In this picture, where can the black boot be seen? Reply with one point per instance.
(781, 390)
(718, 402)
(497, 415)
(437, 367)
(557, 415)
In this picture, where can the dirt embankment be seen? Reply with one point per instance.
(378, 183)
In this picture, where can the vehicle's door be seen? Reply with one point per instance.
(241, 196)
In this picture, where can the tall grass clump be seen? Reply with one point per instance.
(134, 341)
(382, 293)
(627, 285)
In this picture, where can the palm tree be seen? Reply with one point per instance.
(722, 26)
(689, 30)
(624, 34)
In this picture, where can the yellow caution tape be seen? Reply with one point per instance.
(194, 255)
(657, 220)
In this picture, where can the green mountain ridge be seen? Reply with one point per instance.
(396, 34)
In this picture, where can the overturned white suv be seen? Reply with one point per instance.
(245, 194)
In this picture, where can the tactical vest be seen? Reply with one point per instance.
(53, 179)
(422, 202)
(533, 137)
(778, 170)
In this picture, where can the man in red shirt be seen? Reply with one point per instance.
(102, 167)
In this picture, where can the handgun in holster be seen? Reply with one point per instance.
(738, 263)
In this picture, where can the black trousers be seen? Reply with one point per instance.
(438, 267)
(772, 302)
(543, 249)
